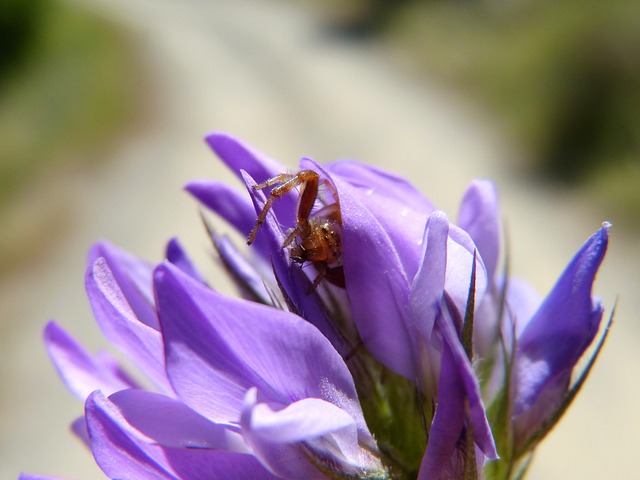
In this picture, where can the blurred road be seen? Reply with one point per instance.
(269, 72)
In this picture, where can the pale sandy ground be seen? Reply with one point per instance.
(265, 71)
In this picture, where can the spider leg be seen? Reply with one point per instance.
(288, 182)
(322, 271)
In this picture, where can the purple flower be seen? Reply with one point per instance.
(383, 223)
(235, 388)
(400, 350)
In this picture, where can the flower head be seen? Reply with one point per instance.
(375, 338)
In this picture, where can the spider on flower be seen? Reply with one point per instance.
(319, 236)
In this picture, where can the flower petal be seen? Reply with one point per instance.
(239, 156)
(116, 453)
(377, 281)
(121, 452)
(31, 476)
(291, 278)
(302, 420)
(170, 423)
(479, 216)
(398, 208)
(81, 372)
(427, 296)
(133, 277)
(250, 283)
(381, 184)
(230, 203)
(178, 256)
(224, 345)
(441, 460)
(562, 328)
(285, 439)
(140, 342)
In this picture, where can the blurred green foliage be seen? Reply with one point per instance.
(563, 75)
(68, 88)
(20, 22)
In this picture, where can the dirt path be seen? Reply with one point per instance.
(270, 74)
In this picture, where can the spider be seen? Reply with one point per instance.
(320, 236)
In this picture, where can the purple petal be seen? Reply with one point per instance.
(305, 419)
(376, 279)
(427, 290)
(291, 277)
(213, 465)
(224, 345)
(446, 265)
(441, 460)
(237, 155)
(240, 157)
(378, 195)
(428, 285)
(426, 298)
(81, 372)
(284, 439)
(479, 216)
(115, 451)
(460, 257)
(230, 203)
(121, 452)
(380, 183)
(478, 416)
(178, 256)
(284, 460)
(79, 429)
(562, 328)
(133, 277)
(30, 476)
(458, 396)
(247, 278)
(171, 423)
(140, 342)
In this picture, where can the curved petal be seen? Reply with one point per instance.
(116, 453)
(133, 277)
(305, 419)
(31, 476)
(377, 281)
(562, 328)
(239, 156)
(177, 255)
(460, 361)
(287, 461)
(427, 297)
(140, 342)
(230, 203)
(291, 279)
(441, 460)
(479, 216)
(284, 439)
(81, 372)
(246, 276)
(381, 183)
(397, 207)
(427, 290)
(170, 423)
(218, 344)
(121, 452)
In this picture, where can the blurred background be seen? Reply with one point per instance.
(104, 103)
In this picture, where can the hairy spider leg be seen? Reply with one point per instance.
(288, 182)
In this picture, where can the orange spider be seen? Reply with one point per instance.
(320, 236)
